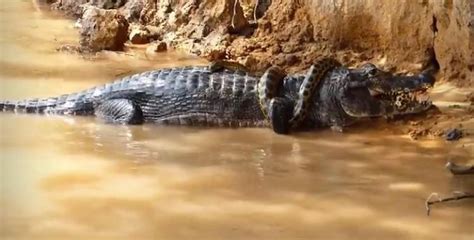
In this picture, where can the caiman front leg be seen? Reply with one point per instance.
(119, 111)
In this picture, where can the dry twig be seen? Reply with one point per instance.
(456, 196)
(457, 169)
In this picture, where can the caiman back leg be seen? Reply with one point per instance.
(121, 111)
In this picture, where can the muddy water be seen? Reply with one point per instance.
(73, 178)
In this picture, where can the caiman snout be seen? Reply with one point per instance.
(406, 94)
(398, 83)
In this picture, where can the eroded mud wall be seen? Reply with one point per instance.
(292, 33)
(400, 29)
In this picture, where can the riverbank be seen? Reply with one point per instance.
(292, 34)
(75, 178)
(291, 40)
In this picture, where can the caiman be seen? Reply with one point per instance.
(201, 96)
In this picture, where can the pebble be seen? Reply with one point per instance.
(453, 134)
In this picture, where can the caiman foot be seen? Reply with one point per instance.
(337, 128)
(119, 111)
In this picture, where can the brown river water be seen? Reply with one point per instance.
(75, 178)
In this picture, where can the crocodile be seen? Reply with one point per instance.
(197, 96)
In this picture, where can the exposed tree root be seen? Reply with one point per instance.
(456, 196)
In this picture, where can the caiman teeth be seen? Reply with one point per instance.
(375, 92)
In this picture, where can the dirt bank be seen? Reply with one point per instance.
(292, 34)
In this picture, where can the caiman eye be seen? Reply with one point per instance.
(372, 72)
(370, 69)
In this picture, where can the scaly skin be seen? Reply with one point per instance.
(286, 115)
(182, 96)
(197, 96)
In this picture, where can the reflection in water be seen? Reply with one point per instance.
(74, 178)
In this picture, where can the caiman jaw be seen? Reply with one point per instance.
(403, 94)
(406, 101)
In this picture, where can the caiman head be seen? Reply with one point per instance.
(372, 92)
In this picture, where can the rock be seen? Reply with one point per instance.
(318, 27)
(285, 60)
(76, 7)
(103, 30)
(418, 132)
(133, 9)
(155, 33)
(453, 134)
(161, 47)
(139, 35)
(157, 47)
(70, 7)
(144, 34)
(215, 45)
(216, 54)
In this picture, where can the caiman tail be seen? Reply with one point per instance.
(82, 103)
(73, 104)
